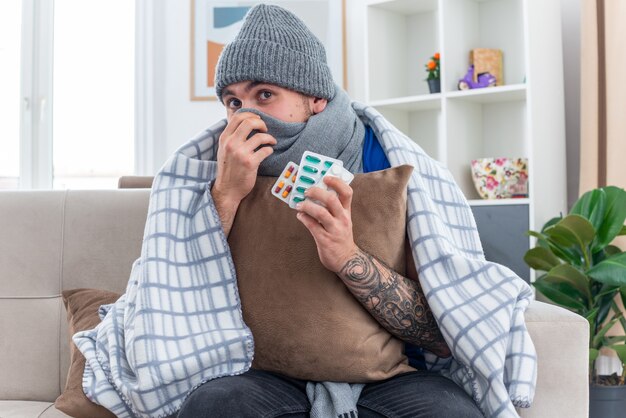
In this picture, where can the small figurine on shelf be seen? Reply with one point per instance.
(484, 80)
(432, 68)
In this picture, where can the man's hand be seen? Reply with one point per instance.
(331, 226)
(238, 161)
(238, 158)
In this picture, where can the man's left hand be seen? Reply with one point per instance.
(331, 226)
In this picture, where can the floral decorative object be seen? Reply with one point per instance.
(433, 70)
(432, 67)
(500, 178)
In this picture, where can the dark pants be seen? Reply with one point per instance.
(261, 394)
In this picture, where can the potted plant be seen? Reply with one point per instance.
(581, 271)
(432, 68)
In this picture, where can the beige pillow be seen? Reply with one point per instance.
(82, 313)
(305, 322)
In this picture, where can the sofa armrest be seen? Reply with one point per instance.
(561, 339)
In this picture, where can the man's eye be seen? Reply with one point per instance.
(230, 101)
(265, 91)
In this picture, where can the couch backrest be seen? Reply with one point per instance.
(51, 241)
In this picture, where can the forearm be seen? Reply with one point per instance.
(396, 302)
(226, 209)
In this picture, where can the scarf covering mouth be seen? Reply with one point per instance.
(335, 132)
(179, 323)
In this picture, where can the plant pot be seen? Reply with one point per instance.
(434, 85)
(607, 401)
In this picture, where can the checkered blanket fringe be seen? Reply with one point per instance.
(179, 322)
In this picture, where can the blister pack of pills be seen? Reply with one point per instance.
(284, 185)
(313, 167)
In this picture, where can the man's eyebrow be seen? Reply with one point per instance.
(248, 87)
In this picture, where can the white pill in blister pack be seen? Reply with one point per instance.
(335, 171)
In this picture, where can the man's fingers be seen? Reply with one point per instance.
(311, 224)
(317, 212)
(257, 140)
(327, 197)
(235, 120)
(246, 126)
(261, 154)
(344, 191)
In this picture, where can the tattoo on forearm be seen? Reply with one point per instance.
(396, 302)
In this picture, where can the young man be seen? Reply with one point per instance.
(281, 100)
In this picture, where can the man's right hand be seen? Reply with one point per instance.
(238, 163)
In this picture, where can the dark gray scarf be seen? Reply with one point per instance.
(336, 132)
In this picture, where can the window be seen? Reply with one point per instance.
(10, 46)
(93, 106)
(67, 70)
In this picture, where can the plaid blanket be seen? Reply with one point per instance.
(179, 323)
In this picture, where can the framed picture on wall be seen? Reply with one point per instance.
(214, 23)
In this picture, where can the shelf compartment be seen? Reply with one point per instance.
(402, 35)
(482, 130)
(469, 24)
(422, 126)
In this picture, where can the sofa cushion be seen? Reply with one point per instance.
(29, 347)
(82, 314)
(305, 322)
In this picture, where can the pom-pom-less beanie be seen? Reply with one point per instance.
(276, 47)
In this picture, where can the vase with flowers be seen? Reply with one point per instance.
(433, 79)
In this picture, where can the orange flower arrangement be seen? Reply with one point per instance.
(432, 67)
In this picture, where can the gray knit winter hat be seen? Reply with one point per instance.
(275, 46)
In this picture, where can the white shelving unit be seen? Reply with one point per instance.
(524, 117)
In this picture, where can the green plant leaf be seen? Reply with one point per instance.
(591, 318)
(614, 216)
(604, 303)
(623, 230)
(551, 222)
(573, 230)
(610, 271)
(541, 239)
(591, 206)
(620, 349)
(612, 250)
(565, 254)
(622, 320)
(564, 273)
(606, 289)
(593, 355)
(555, 293)
(608, 251)
(541, 258)
(614, 340)
(597, 340)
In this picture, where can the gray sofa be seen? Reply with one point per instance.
(56, 240)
